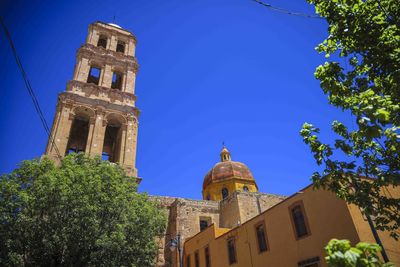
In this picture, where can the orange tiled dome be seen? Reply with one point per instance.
(227, 169)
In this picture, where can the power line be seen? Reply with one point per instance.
(29, 87)
(287, 12)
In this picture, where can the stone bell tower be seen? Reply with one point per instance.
(97, 114)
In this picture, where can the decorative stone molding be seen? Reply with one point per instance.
(103, 56)
(95, 91)
(100, 106)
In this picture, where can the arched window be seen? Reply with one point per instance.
(245, 188)
(112, 142)
(208, 196)
(78, 135)
(224, 192)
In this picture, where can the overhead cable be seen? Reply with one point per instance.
(285, 11)
(29, 88)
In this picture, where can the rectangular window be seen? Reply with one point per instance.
(231, 251)
(94, 75)
(299, 220)
(261, 237)
(116, 81)
(207, 257)
(188, 260)
(203, 225)
(312, 262)
(196, 259)
(120, 47)
(102, 41)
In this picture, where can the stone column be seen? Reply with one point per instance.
(96, 147)
(113, 43)
(56, 123)
(130, 82)
(82, 72)
(61, 131)
(131, 48)
(122, 145)
(106, 77)
(130, 146)
(92, 121)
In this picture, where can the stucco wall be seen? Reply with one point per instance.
(327, 216)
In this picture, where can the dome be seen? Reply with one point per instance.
(115, 25)
(227, 170)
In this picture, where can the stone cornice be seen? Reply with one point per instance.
(71, 98)
(106, 56)
(92, 89)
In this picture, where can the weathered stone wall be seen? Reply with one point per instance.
(252, 204)
(230, 213)
(184, 217)
(241, 206)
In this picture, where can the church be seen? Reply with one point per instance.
(234, 224)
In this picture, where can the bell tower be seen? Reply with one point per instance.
(97, 114)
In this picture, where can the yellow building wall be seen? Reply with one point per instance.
(232, 185)
(202, 240)
(392, 246)
(327, 216)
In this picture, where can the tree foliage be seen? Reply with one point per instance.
(342, 254)
(86, 212)
(364, 38)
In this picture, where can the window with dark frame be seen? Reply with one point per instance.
(299, 221)
(261, 238)
(312, 262)
(231, 251)
(102, 42)
(196, 259)
(94, 75)
(224, 193)
(245, 188)
(203, 224)
(188, 260)
(120, 47)
(207, 257)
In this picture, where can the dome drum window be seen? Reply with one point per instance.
(224, 193)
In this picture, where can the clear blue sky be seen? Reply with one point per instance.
(210, 71)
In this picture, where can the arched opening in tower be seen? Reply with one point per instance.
(78, 135)
(112, 142)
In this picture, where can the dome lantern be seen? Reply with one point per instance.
(225, 154)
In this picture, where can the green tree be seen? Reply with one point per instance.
(362, 77)
(86, 212)
(342, 254)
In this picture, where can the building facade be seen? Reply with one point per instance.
(234, 224)
(292, 232)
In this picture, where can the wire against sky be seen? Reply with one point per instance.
(285, 11)
(29, 87)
